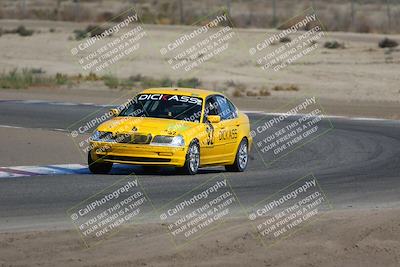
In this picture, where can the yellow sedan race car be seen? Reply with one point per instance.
(175, 127)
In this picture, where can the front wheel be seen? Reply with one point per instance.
(192, 161)
(241, 159)
(98, 167)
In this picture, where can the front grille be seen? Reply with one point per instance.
(141, 139)
(132, 138)
(137, 159)
(135, 138)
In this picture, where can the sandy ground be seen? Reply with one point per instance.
(360, 72)
(337, 238)
(361, 80)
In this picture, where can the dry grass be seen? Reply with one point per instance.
(290, 87)
(27, 78)
(334, 45)
(264, 92)
(237, 93)
(251, 93)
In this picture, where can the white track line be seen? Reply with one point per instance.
(12, 127)
(27, 171)
(324, 116)
(248, 111)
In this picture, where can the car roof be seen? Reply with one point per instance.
(181, 91)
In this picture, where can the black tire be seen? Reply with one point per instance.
(98, 167)
(192, 161)
(241, 158)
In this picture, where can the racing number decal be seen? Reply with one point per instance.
(210, 134)
(225, 134)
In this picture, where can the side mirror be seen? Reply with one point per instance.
(115, 112)
(214, 118)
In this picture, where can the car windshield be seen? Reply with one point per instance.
(165, 106)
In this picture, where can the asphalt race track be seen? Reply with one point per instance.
(357, 164)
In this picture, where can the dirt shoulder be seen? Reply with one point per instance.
(336, 238)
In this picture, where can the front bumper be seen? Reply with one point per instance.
(139, 154)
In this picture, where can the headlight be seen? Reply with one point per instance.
(178, 141)
(164, 140)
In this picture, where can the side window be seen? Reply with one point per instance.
(233, 109)
(225, 110)
(211, 107)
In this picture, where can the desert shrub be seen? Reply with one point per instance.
(333, 45)
(264, 92)
(278, 88)
(23, 79)
(285, 39)
(144, 81)
(291, 87)
(14, 79)
(37, 71)
(61, 79)
(22, 31)
(386, 42)
(164, 21)
(94, 30)
(92, 77)
(238, 88)
(80, 34)
(52, 30)
(147, 16)
(189, 83)
(251, 93)
(237, 93)
(111, 81)
(313, 42)
(166, 82)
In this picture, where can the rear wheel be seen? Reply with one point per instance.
(192, 161)
(98, 167)
(241, 159)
